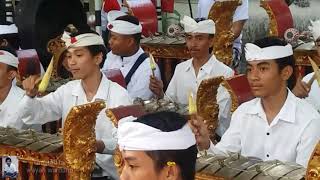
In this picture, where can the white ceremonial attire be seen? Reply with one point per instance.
(291, 136)
(10, 169)
(241, 13)
(58, 104)
(139, 84)
(9, 116)
(314, 93)
(185, 80)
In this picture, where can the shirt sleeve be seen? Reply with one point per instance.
(224, 101)
(309, 139)
(171, 92)
(41, 110)
(139, 84)
(231, 139)
(242, 12)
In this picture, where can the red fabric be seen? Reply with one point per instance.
(110, 5)
(167, 6)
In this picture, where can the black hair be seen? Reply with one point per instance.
(8, 158)
(12, 38)
(13, 52)
(93, 49)
(133, 20)
(281, 62)
(185, 159)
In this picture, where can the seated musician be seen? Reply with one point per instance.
(85, 55)
(10, 93)
(304, 89)
(189, 74)
(157, 146)
(241, 15)
(127, 55)
(276, 124)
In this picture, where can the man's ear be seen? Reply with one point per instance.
(12, 75)
(286, 72)
(98, 58)
(172, 172)
(4, 42)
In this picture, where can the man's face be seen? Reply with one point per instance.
(264, 78)
(120, 44)
(8, 162)
(6, 76)
(198, 44)
(139, 166)
(81, 63)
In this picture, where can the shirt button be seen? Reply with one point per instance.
(268, 134)
(267, 155)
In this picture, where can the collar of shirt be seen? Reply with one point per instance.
(12, 97)
(287, 112)
(102, 92)
(207, 67)
(130, 60)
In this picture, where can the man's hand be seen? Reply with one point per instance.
(100, 146)
(201, 132)
(30, 85)
(301, 88)
(156, 86)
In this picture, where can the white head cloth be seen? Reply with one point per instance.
(255, 53)
(137, 136)
(8, 58)
(8, 29)
(315, 29)
(114, 14)
(124, 27)
(87, 39)
(205, 26)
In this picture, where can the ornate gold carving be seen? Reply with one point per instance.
(80, 139)
(222, 14)
(313, 171)
(56, 47)
(273, 30)
(179, 51)
(301, 57)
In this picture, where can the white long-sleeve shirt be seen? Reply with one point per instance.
(58, 104)
(9, 116)
(139, 84)
(185, 80)
(291, 136)
(314, 94)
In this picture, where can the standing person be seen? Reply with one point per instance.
(276, 125)
(241, 15)
(85, 55)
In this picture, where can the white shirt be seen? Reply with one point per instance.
(185, 80)
(139, 84)
(58, 104)
(314, 93)
(9, 116)
(12, 169)
(241, 13)
(291, 136)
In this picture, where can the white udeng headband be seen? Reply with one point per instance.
(255, 53)
(137, 136)
(87, 39)
(124, 27)
(191, 26)
(8, 58)
(8, 29)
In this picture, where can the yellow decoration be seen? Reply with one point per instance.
(192, 104)
(152, 64)
(46, 78)
(170, 163)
